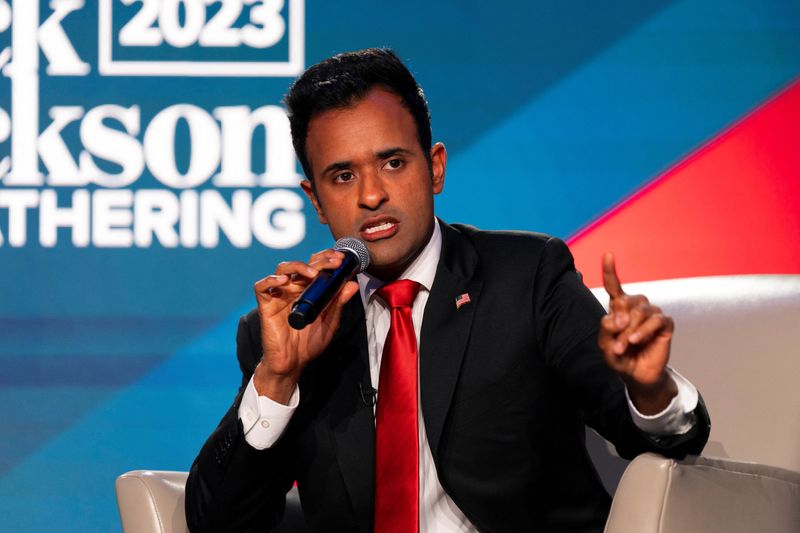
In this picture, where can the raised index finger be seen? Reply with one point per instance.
(610, 278)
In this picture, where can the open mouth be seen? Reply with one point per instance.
(378, 229)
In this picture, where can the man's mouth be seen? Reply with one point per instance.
(379, 229)
(376, 229)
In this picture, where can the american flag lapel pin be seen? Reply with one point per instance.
(462, 299)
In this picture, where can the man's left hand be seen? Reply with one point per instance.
(635, 338)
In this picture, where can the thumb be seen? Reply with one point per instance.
(348, 291)
(334, 311)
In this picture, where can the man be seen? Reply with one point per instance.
(509, 354)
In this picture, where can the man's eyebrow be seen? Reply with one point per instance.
(339, 165)
(389, 152)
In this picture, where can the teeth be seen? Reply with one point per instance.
(382, 227)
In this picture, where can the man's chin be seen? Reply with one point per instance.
(388, 266)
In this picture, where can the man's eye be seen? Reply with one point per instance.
(394, 163)
(344, 177)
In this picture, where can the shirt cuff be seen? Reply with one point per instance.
(263, 419)
(678, 417)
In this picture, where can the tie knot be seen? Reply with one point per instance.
(400, 293)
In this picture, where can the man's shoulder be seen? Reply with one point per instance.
(249, 333)
(251, 319)
(502, 236)
(508, 244)
(512, 252)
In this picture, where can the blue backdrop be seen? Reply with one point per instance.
(117, 332)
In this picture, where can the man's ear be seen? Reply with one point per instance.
(438, 167)
(308, 188)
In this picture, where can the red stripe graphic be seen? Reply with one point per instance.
(731, 207)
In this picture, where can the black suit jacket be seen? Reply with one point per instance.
(507, 383)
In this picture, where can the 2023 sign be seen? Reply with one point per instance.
(160, 20)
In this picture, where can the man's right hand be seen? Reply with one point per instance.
(286, 351)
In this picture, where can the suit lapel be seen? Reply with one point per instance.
(352, 421)
(446, 329)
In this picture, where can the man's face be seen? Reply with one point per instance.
(372, 179)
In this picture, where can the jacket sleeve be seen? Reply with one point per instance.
(231, 485)
(568, 330)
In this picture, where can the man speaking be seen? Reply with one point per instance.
(445, 388)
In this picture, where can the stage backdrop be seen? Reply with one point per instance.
(147, 180)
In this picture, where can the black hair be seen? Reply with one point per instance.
(344, 79)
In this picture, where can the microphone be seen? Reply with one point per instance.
(322, 290)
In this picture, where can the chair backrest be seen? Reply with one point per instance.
(738, 339)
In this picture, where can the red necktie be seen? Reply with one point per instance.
(396, 444)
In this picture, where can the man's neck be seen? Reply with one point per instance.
(422, 269)
(398, 272)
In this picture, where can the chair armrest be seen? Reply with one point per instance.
(701, 494)
(152, 501)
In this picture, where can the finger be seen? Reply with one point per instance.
(617, 319)
(263, 286)
(622, 306)
(295, 268)
(637, 316)
(608, 333)
(609, 326)
(618, 309)
(656, 324)
(610, 279)
(270, 287)
(326, 261)
(328, 253)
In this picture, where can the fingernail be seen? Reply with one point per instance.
(618, 348)
(634, 338)
(620, 320)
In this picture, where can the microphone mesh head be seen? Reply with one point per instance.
(356, 246)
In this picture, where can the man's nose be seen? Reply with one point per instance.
(372, 192)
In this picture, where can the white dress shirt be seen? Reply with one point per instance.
(265, 420)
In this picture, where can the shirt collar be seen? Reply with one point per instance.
(422, 269)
